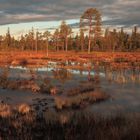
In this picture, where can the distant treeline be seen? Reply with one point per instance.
(90, 37)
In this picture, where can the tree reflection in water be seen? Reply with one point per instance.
(62, 75)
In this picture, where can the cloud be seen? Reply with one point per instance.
(116, 12)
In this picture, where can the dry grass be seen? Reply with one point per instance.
(116, 60)
(5, 110)
(33, 84)
(69, 126)
(4, 77)
(24, 108)
(6, 83)
(62, 75)
(20, 85)
(86, 87)
(80, 100)
(22, 123)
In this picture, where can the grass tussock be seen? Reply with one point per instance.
(73, 126)
(24, 108)
(33, 84)
(5, 110)
(62, 74)
(80, 100)
(4, 78)
(20, 62)
(80, 90)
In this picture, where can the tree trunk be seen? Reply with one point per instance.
(89, 40)
(22, 48)
(82, 46)
(66, 43)
(47, 48)
(57, 45)
(36, 45)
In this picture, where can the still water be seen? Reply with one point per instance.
(123, 85)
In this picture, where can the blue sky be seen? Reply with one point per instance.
(22, 28)
(21, 16)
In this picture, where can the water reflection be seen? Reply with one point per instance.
(63, 71)
(124, 97)
(62, 74)
(123, 76)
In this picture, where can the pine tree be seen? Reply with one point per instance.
(65, 31)
(91, 18)
(47, 35)
(56, 37)
(82, 39)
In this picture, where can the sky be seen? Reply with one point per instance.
(22, 15)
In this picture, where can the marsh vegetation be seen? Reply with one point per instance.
(64, 86)
(24, 123)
